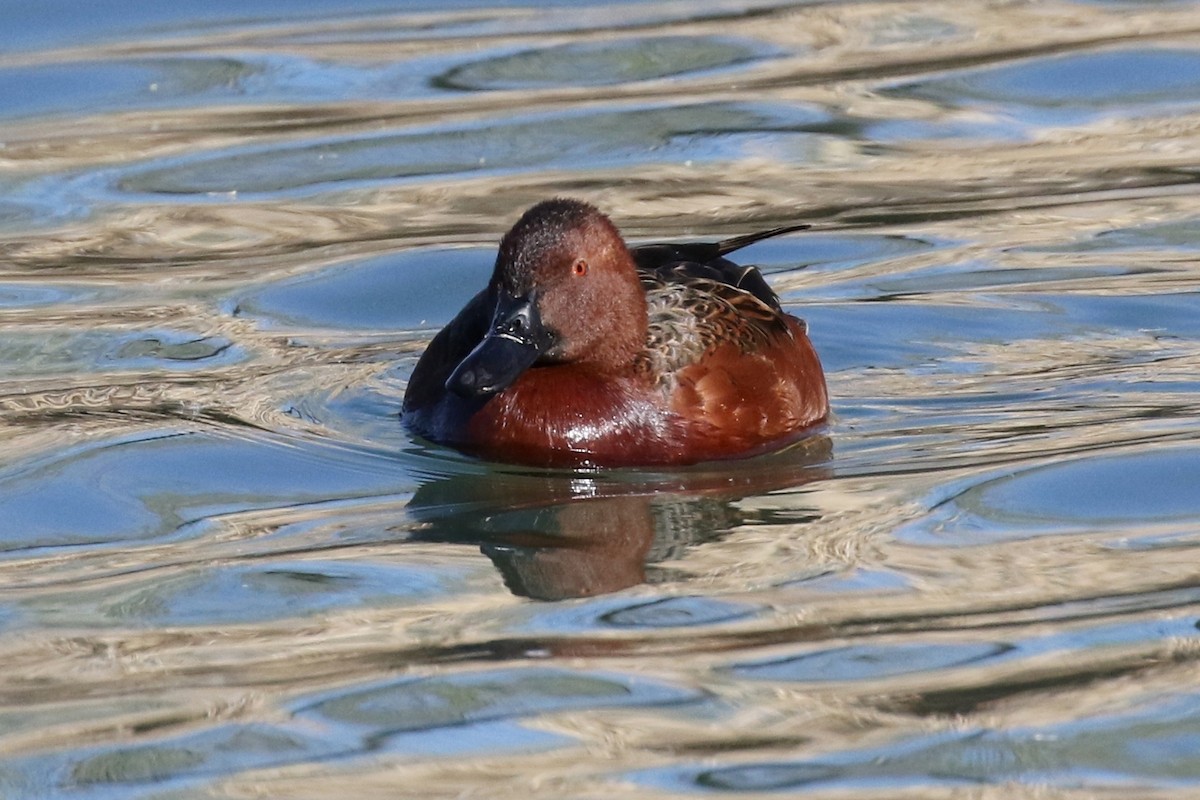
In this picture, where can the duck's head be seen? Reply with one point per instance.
(565, 290)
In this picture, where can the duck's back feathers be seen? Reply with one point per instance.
(706, 260)
(653, 256)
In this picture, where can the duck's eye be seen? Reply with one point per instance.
(579, 268)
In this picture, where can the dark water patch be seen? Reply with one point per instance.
(131, 769)
(1156, 746)
(19, 215)
(368, 413)
(429, 704)
(1107, 492)
(23, 295)
(314, 528)
(870, 662)
(489, 739)
(961, 677)
(676, 612)
(147, 486)
(223, 750)
(56, 350)
(175, 350)
(405, 291)
(241, 594)
(1037, 666)
(603, 137)
(627, 614)
(1169, 315)
(104, 86)
(948, 313)
(603, 63)
(1072, 87)
(10, 619)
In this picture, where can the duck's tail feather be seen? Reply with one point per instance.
(727, 246)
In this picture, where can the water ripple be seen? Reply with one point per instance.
(601, 63)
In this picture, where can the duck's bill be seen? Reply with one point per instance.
(517, 339)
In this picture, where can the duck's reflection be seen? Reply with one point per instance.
(559, 535)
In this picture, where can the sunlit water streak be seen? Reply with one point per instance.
(228, 230)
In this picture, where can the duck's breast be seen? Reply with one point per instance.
(568, 415)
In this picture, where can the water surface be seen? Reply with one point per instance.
(227, 231)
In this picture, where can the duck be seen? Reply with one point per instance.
(584, 352)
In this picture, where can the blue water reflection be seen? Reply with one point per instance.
(147, 487)
(1074, 86)
(400, 292)
(1130, 493)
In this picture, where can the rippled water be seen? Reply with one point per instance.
(228, 229)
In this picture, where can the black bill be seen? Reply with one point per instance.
(517, 339)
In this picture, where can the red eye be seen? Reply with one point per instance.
(579, 268)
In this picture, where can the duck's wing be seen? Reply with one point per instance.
(706, 261)
(691, 317)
